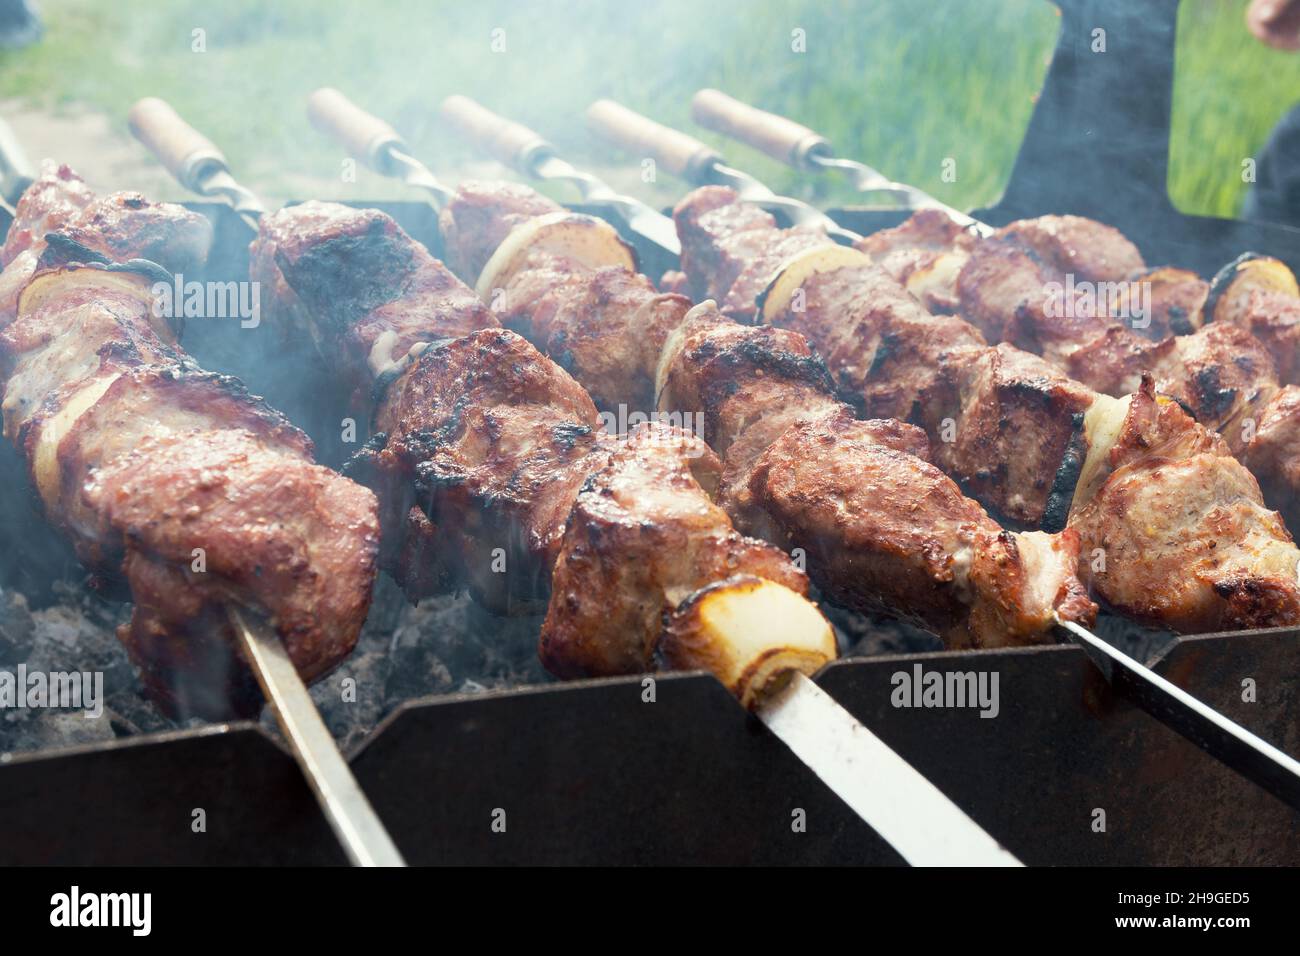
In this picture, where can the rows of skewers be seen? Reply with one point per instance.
(854, 409)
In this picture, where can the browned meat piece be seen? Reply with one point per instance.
(884, 350)
(1177, 301)
(480, 215)
(1085, 248)
(484, 443)
(746, 384)
(83, 228)
(1010, 427)
(1017, 285)
(931, 230)
(719, 236)
(1272, 452)
(605, 327)
(367, 290)
(56, 197)
(731, 250)
(1274, 318)
(290, 539)
(141, 404)
(646, 534)
(782, 244)
(885, 530)
(925, 255)
(1113, 361)
(1181, 526)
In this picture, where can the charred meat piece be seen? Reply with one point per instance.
(367, 292)
(1182, 529)
(290, 539)
(59, 208)
(148, 462)
(56, 197)
(646, 529)
(1012, 427)
(886, 530)
(606, 327)
(484, 443)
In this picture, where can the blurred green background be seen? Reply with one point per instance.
(900, 83)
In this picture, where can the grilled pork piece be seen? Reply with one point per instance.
(646, 528)
(198, 492)
(1186, 539)
(482, 447)
(111, 228)
(886, 530)
(361, 287)
(480, 215)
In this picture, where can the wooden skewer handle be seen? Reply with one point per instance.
(682, 155)
(504, 140)
(360, 133)
(178, 146)
(784, 140)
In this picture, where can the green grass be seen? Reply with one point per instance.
(903, 85)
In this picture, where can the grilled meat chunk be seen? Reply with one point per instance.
(731, 250)
(277, 533)
(606, 327)
(1186, 539)
(886, 530)
(483, 445)
(480, 215)
(366, 291)
(54, 199)
(1011, 427)
(646, 533)
(111, 228)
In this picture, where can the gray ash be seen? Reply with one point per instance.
(445, 645)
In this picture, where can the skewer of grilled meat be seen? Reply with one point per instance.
(889, 530)
(1022, 436)
(170, 478)
(494, 474)
(1229, 374)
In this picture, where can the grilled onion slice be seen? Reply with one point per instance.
(586, 240)
(748, 632)
(774, 301)
(1233, 284)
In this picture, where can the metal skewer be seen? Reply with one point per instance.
(893, 798)
(689, 159)
(799, 147)
(199, 166)
(1221, 737)
(350, 815)
(521, 149)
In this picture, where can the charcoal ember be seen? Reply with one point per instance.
(473, 644)
(866, 635)
(63, 728)
(417, 671)
(352, 699)
(16, 628)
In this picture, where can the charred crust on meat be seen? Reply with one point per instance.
(345, 276)
(1056, 512)
(1216, 400)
